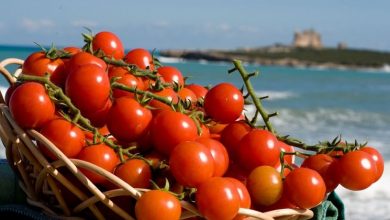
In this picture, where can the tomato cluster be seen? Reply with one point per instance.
(146, 125)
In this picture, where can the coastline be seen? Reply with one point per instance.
(248, 57)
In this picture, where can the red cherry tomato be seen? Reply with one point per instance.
(199, 91)
(191, 163)
(265, 185)
(165, 129)
(66, 136)
(101, 155)
(232, 134)
(171, 75)
(219, 154)
(257, 148)
(135, 172)
(357, 170)
(98, 118)
(83, 58)
(322, 163)
(187, 95)
(245, 199)
(304, 188)
(38, 64)
(126, 78)
(157, 204)
(167, 93)
(88, 87)
(141, 58)
(378, 159)
(224, 103)
(72, 50)
(109, 43)
(128, 120)
(30, 106)
(218, 198)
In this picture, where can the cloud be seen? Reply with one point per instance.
(84, 23)
(36, 25)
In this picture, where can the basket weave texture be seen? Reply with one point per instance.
(62, 191)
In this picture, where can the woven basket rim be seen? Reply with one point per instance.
(21, 145)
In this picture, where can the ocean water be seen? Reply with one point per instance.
(314, 104)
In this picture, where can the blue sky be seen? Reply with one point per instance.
(197, 24)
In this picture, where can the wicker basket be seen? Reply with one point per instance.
(61, 191)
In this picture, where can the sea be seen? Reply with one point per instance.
(314, 104)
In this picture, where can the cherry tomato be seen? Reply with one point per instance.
(30, 106)
(167, 93)
(157, 204)
(141, 58)
(171, 75)
(109, 43)
(72, 50)
(88, 87)
(187, 95)
(101, 155)
(165, 129)
(128, 120)
(357, 170)
(126, 78)
(135, 172)
(224, 103)
(199, 91)
(265, 185)
(219, 154)
(378, 159)
(232, 134)
(39, 64)
(218, 198)
(257, 148)
(191, 163)
(304, 187)
(322, 163)
(98, 118)
(66, 136)
(83, 58)
(245, 199)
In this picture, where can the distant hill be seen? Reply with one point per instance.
(291, 56)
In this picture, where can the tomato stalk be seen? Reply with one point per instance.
(251, 91)
(147, 94)
(323, 147)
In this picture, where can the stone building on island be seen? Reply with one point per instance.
(307, 39)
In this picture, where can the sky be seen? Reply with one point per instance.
(198, 24)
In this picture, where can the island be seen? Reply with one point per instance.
(306, 50)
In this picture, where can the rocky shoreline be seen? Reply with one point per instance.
(221, 55)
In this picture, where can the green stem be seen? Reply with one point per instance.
(324, 147)
(147, 94)
(256, 101)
